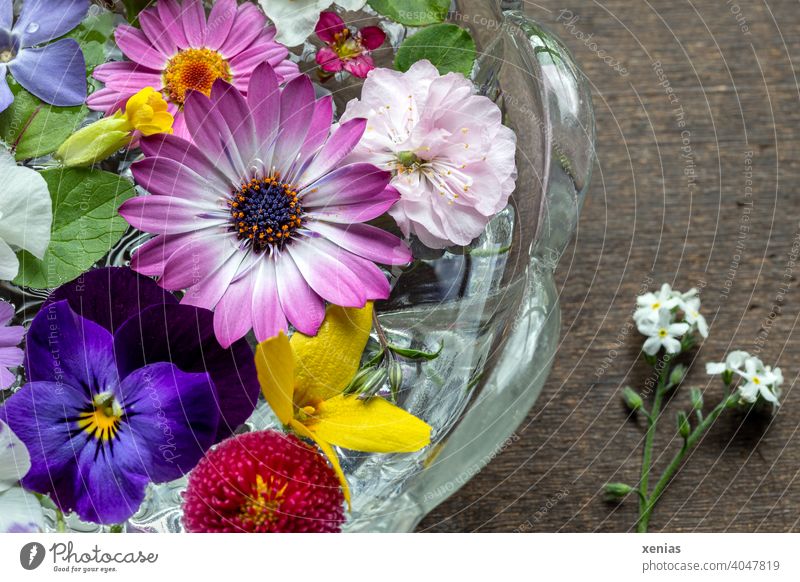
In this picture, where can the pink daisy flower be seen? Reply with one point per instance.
(258, 217)
(347, 50)
(177, 51)
(450, 155)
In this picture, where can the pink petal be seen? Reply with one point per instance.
(169, 11)
(320, 126)
(297, 109)
(107, 100)
(166, 215)
(157, 33)
(233, 314)
(221, 267)
(328, 60)
(187, 154)
(151, 258)
(171, 178)
(360, 66)
(328, 26)
(303, 308)
(348, 184)
(210, 131)
(365, 241)
(372, 37)
(136, 46)
(363, 211)
(321, 264)
(264, 99)
(234, 110)
(194, 22)
(220, 22)
(249, 23)
(338, 146)
(268, 316)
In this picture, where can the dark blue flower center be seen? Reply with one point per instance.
(265, 212)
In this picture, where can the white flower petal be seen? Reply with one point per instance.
(715, 368)
(748, 392)
(20, 511)
(9, 264)
(672, 345)
(736, 359)
(296, 19)
(651, 346)
(767, 394)
(25, 209)
(14, 459)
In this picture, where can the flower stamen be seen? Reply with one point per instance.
(194, 69)
(265, 213)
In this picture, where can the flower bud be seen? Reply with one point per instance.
(395, 378)
(616, 490)
(145, 112)
(697, 398)
(631, 398)
(677, 375)
(684, 428)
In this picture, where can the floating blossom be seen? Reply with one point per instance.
(10, 338)
(19, 510)
(97, 438)
(303, 380)
(346, 50)
(259, 219)
(55, 72)
(145, 113)
(263, 482)
(295, 19)
(150, 326)
(25, 214)
(663, 333)
(178, 51)
(450, 156)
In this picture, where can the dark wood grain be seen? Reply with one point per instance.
(641, 222)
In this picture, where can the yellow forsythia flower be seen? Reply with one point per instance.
(145, 112)
(303, 380)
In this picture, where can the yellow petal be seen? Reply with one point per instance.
(328, 361)
(276, 370)
(302, 430)
(373, 426)
(147, 112)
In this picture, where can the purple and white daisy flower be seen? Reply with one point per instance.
(259, 218)
(10, 338)
(20, 511)
(178, 50)
(55, 72)
(107, 410)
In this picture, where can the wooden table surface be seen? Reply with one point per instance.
(731, 65)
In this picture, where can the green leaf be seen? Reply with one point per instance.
(416, 354)
(134, 7)
(94, 34)
(35, 127)
(412, 12)
(449, 47)
(86, 225)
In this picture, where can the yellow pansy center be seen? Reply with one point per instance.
(264, 501)
(194, 69)
(103, 419)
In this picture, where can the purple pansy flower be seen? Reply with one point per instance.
(55, 72)
(126, 387)
(10, 337)
(258, 218)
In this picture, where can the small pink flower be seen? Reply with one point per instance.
(346, 50)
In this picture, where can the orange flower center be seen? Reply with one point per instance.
(194, 69)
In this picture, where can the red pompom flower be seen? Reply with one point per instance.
(263, 482)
